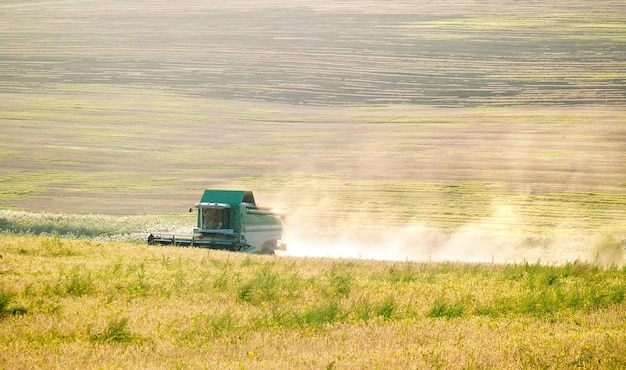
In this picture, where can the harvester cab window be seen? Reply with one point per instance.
(213, 218)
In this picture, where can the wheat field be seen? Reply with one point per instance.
(89, 304)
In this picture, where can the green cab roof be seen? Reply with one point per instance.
(232, 197)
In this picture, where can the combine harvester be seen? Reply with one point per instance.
(231, 220)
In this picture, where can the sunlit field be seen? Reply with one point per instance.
(453, 176)
(93, 304)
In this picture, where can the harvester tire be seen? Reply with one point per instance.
(268, 247)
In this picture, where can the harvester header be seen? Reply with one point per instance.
(231, 220)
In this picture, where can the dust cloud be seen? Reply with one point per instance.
(495, 239)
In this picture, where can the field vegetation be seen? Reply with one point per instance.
(453, 174)
(96, 304)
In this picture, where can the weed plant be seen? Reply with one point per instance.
(5, 309)
(116, 331)
(442, 308)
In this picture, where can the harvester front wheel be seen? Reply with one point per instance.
(268, 247)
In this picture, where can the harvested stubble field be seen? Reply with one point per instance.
(460, 131)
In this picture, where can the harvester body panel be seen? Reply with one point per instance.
(231, 220)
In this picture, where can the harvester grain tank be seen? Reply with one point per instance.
(231, 220)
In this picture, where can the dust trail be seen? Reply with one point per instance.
(494, 239)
